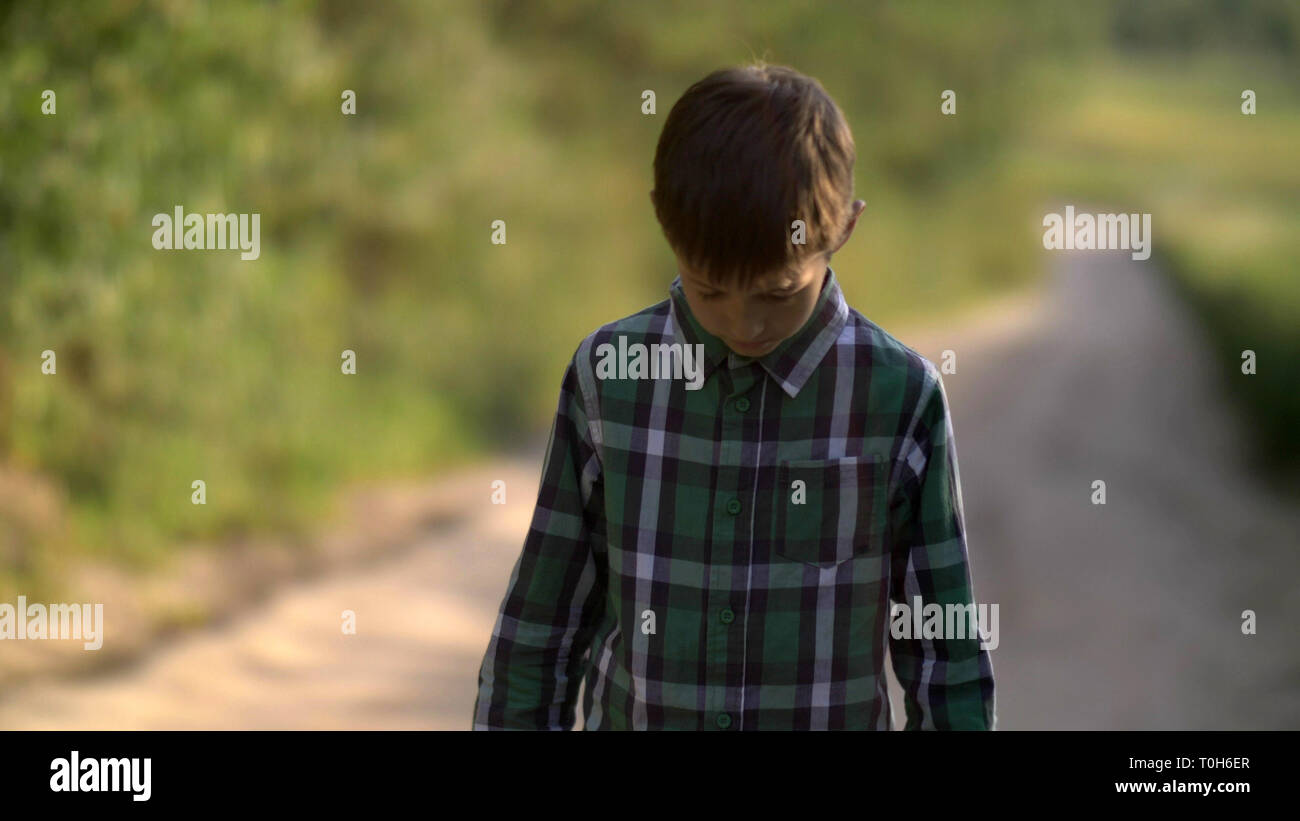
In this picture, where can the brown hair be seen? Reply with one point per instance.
(744, 153)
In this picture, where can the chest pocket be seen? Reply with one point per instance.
(829, 511)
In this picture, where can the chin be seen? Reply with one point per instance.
(752, 350)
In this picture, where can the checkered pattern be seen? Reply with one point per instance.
(724, 558)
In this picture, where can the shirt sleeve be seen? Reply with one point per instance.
(947, 681)
(530, 675)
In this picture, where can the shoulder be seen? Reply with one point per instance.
(905, 391)
(650, 324)
(895, 368)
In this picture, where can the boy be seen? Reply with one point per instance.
(716, 547)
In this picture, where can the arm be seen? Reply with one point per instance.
(530, 674)
(948, 683)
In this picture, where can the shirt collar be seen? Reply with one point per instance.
(791, 362)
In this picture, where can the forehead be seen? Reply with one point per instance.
(789, 275)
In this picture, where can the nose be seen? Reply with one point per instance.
(745, 324)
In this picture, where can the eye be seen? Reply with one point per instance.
(711, 295)
(779, 297)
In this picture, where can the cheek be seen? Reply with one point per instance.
(707, 314)
(717, 315)
(794, 318)
(712, 318)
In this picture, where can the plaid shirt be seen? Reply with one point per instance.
(721, 558)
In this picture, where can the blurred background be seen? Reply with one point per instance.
(371, 492)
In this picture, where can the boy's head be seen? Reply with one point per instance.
(743, 154)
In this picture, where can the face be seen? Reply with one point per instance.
(753, 321)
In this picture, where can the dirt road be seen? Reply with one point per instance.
(1118, 616)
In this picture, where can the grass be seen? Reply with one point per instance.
(177, 366)
(1169, 138)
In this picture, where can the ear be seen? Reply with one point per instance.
(858, 207)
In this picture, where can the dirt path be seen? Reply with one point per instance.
(1122, 616)
(1127, 615)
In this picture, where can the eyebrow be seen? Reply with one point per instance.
(786, 285)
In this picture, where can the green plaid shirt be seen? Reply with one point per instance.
(724, 557)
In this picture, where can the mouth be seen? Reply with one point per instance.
(750, 348)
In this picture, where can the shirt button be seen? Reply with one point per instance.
(734, 507)
(727, 616)
(724, 720)
(742, 404)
